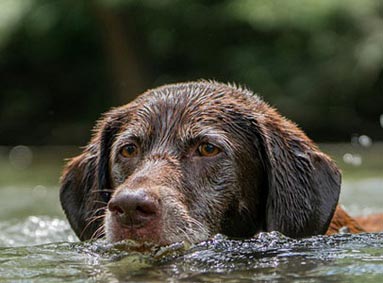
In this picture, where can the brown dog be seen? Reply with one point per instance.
(187, 161)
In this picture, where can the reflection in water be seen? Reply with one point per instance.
(268, 256)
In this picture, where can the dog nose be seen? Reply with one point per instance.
(134, 208)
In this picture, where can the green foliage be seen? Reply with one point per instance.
(63, 62)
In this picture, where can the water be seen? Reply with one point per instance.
(269, 256)
(37, 245)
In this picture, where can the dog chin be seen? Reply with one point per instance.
(148, 234)
(154, 234)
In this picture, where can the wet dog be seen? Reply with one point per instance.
(187, 161)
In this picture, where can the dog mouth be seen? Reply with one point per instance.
(116, 230)
(163, 231)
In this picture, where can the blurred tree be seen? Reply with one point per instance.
(63, 62)
(123, 56)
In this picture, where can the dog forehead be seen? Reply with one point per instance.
(193, 99)
(188, 109)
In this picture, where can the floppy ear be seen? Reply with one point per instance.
(78, 194)
(85, 184)
(303, 183)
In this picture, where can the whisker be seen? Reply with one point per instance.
(98, 233)
(95, 213)
(187, 235)
(202, 228)
(96, 217)
(101, 202)
(92, 219)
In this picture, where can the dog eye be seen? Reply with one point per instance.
(208, 150)
(129, 151)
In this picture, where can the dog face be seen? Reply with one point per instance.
(187, 161)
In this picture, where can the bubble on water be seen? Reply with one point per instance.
(352, 159)
(21, 156)
(365, 141)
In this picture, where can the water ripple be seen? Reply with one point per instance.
(268, 256)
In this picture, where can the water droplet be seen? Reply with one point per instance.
(352, 159)
(365, 141)
(21, 156)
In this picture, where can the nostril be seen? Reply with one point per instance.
(147, 208)
(113, 207)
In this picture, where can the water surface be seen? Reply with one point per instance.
(269, 256)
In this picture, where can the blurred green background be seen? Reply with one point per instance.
(63, 62)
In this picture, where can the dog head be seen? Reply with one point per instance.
(187, 161)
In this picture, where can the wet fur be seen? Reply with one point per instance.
(269, 175)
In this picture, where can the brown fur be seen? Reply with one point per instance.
(267, 175)
(342, 222)
(371, 223)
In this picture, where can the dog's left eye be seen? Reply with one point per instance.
(129, 151)
(208, 150)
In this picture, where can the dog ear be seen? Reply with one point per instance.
(85, 184)
(77, 194)
(303, 183)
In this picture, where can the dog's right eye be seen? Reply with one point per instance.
(208, 150)
(129, 151)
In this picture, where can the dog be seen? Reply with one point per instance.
(185, 161)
